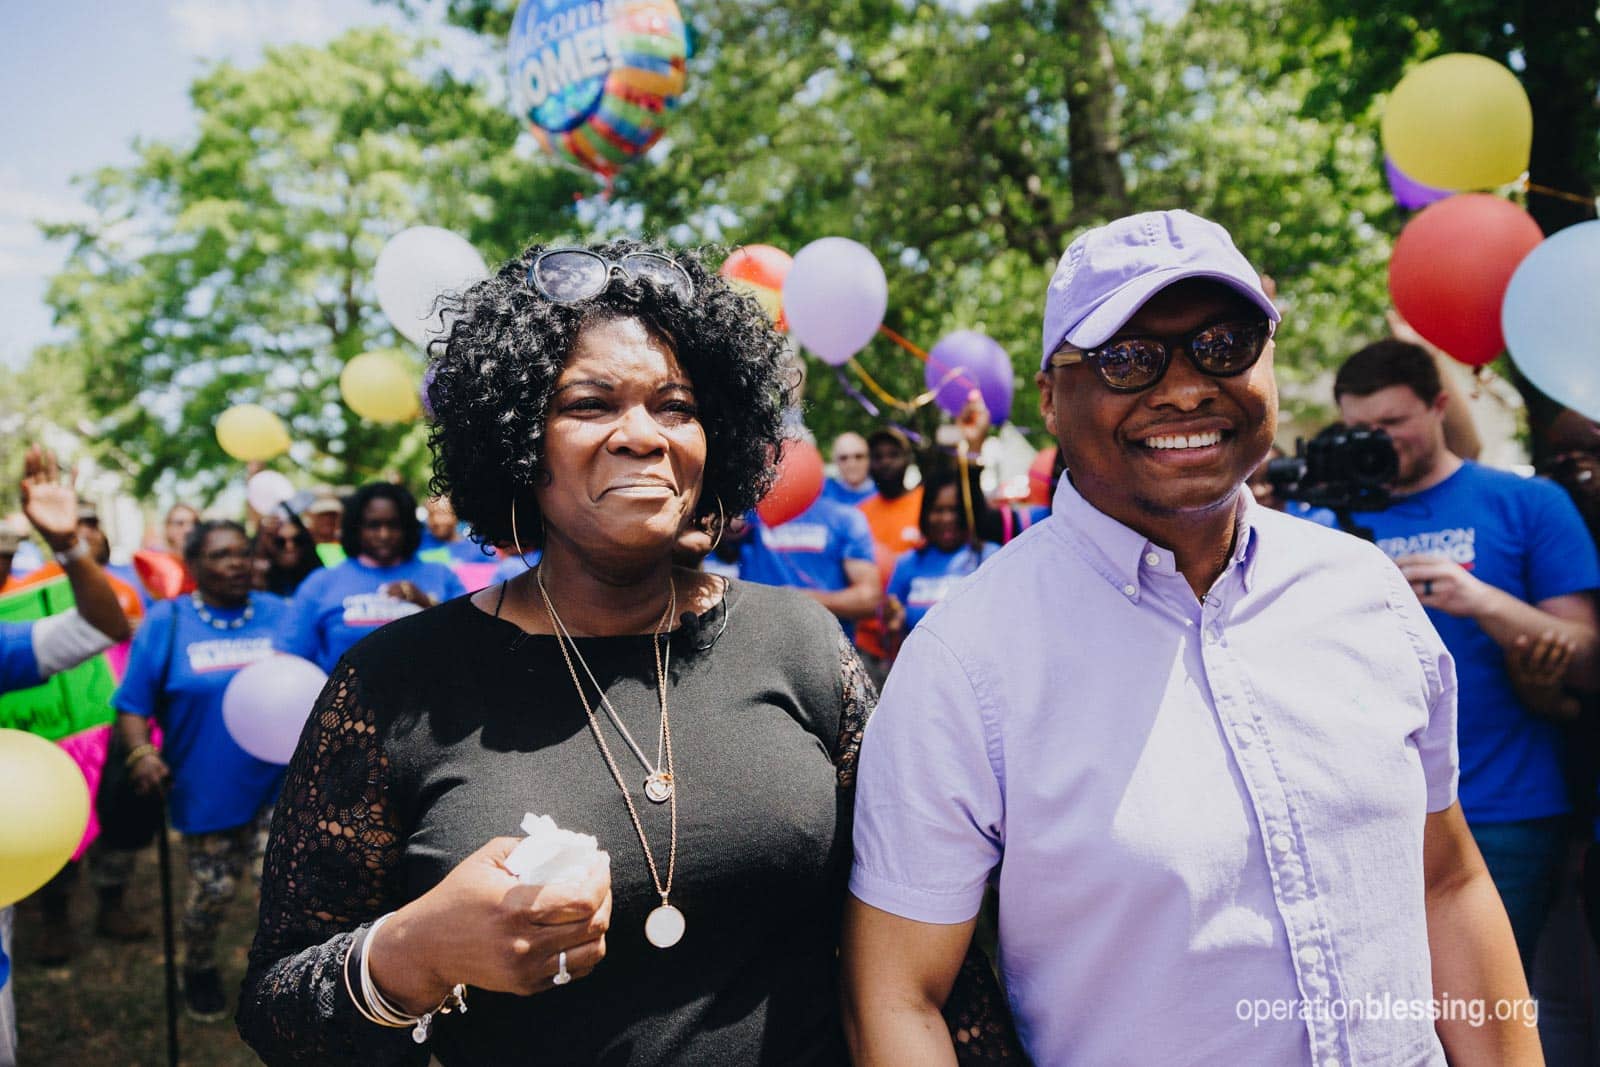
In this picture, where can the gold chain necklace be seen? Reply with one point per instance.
(665, 925)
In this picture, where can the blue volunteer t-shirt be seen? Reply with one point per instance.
(1525, 537)
(19, 668)
(809, 551)
(460, 550)
(338, 606)
(835, 490)
(924, 576)
(216, 785)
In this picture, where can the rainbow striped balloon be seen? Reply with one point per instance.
(594, 78)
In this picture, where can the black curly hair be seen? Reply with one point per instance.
(196, 540)
(355, 509)
(493, 375)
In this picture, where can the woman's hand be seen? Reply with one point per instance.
(50, 505)
(408, 592)
(482, 927)
(150, 774)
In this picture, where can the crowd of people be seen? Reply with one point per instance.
(1199, 753)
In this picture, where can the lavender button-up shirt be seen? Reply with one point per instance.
(1205, 818)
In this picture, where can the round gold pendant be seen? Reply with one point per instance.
(658, 787)
(664, 926)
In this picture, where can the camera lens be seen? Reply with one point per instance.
(1370, 458)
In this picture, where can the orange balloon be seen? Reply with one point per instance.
(759, 270)
(1451, 266)
(798, 486)
(162, 573)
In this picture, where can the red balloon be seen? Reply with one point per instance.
(162, 573)
(1039, 471)
(1450, 268)
(798, 486)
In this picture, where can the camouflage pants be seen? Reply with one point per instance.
(216, 863)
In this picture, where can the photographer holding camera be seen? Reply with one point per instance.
(1505, 568)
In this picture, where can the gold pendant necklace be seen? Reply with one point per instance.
(665, 925)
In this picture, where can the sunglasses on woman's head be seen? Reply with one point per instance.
(1133, 364)
(572, 275)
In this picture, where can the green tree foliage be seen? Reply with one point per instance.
(964, 143)
(237, 266)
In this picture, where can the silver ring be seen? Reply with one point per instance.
(1427, 587)
(561, 977)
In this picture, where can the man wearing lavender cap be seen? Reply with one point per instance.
(1206, 752)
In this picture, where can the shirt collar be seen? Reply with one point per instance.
(1124, 557)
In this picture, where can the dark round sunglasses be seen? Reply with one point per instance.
(1133, 364)
(572, 275)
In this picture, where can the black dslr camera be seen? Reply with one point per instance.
(1341, 469)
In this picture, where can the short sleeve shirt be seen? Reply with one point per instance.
(1187, 806)
(1525, 537)
(216, 785)
(810, 550)
(19, 667)
(337, 606)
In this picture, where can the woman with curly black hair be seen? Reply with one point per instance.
(593, 403)
(380, 580)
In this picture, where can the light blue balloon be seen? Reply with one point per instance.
(1551, 317)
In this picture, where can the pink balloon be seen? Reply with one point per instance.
(266, 705)
(834, 298)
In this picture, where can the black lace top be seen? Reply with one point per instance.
(442, 729)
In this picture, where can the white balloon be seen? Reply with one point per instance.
(1551, 318)
(414, 269)
(266, 705)
(834, 298)
(266, 490)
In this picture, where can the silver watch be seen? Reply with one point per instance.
(79, 550)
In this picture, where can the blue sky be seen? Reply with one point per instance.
(84, 79)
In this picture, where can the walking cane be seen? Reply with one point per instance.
(168, 941)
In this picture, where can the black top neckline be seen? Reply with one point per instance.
(709, 623)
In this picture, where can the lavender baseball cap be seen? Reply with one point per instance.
(1108, 273)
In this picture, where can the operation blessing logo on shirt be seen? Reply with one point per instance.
(375, 609)
(1458, 545)
(927, 591)
(227, 653)
(797, 537)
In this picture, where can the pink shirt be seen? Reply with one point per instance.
(1205, 819)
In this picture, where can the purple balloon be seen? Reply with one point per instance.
(427, 387)
(967, 360)
(1409, 193)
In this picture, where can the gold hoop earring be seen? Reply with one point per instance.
(515, 540)
(722, 524)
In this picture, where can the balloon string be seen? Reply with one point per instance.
(903, 343)
(857, 395)
(1558, 194)
(883, 394)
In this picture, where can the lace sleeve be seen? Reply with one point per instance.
(859, 697)
(328, 872)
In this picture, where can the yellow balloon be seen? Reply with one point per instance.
(46, 805)
(1459, 122)
(381, 386)
(250, 432)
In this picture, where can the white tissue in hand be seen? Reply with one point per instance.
(551, 855)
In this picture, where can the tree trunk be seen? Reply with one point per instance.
(1094, 138)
